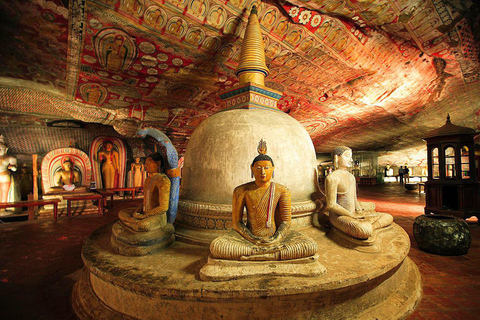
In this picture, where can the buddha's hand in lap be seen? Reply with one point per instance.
(139, 215)
(255, 240)
(364, 215)
(359, 208)
(268, 241)
(268, 249)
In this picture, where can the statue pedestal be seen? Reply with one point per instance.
(8, 213)
(78, 207)
(357, 285)
(223, 270)
(368, 245)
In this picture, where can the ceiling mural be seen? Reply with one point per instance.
(373, 75)
(35, 34)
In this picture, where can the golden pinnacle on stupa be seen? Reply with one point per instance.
(252, 67)
(251, 92)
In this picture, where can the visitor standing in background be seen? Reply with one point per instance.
(406, 174)
(400, 174)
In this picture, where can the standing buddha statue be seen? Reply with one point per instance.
(109, 161)
(137, 173)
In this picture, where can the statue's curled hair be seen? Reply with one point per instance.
(338, 151)
(262, 157)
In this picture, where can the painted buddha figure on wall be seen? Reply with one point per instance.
(116, 53)
(346, 213)
(144, 230)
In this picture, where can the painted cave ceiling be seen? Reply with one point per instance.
(373, 74)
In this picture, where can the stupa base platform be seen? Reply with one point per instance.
(357, 285)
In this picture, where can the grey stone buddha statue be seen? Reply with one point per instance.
(346, 214)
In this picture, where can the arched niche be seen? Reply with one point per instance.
(52, 163)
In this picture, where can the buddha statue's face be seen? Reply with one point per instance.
(137, 160)
(151, 166)
(3, 150)
(67, 166)
(108, 146)
(263, 171)
(345, 159)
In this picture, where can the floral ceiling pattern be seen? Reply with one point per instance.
(374, 75)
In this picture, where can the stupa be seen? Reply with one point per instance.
(220, 150)
(360, 283)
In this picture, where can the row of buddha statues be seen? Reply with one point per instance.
(68, 176)
(265, 206)
(110, 162)
(67, 169)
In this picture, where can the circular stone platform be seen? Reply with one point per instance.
(380, 283)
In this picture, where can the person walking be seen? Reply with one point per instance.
(406, 174)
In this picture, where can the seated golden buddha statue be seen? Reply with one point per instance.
(353, 218)
(267, 235)
(67, 176)
(144, 230)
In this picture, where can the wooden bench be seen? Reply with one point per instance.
(106, 194)
(33, 203)
(98, 197)
(132, 190)
(421, 185)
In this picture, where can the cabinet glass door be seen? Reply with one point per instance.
(435, 164)
(465, 161)
(450, 163)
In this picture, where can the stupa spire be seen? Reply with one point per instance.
(252, 67)
(251, 92)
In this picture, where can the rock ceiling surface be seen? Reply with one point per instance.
(373, 74)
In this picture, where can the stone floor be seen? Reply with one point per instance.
(450, 284)
(40, 261)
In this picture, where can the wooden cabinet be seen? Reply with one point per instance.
(452, 186)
